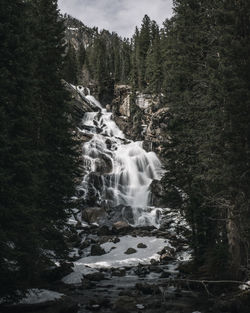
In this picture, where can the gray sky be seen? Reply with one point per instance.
(120, 16)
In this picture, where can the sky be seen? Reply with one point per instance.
(121, 16)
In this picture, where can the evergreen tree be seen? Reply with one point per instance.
(207, 155)
(70, 66)
(38, 163)
(143, 47)
(153, 73)
(19, 250)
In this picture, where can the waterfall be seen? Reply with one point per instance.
(117, 171)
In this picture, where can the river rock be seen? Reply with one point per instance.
(120, 225)
(165, 275)
(94, 215)
(164, 258)
(130, 251)
(120, 272)
(124, 304)
(116, 240)
(63, 305)
(154, 262)
(147, 289)
(141, 245)
(97, 250)
(105, 230)
(97, 276)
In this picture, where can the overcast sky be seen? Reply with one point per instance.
(120, 16)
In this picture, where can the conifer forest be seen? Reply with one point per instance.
(125, 162)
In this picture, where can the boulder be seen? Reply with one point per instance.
(118, 272)
(97, 276)
(164, 258)
(120, 225)
(130, 251)
(94, 215)
(104, 230)
(124, 304)
(141, 245)
(97, 250)
(63, 305)
(165, 275)
(147, 289)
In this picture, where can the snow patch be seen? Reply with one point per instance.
(245, 286)
(40, 295)
(117, 257)
(77, 276)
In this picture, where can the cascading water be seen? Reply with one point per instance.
(117, 171)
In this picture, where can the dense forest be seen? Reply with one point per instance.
(198, 62)
(38, 159)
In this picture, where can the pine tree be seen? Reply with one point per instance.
(70, 66)
(58, 157)
(143, 47)
(19, 249)
(153, 73)
(38, 163)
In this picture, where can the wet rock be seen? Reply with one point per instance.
(158, 193)
(97, 303)
(147, 289)
(165, 275)
(141, 245)
(103, 165)
(124, 304)
(165, 258)
(130, 251)
(97, 250)
(127, 214)
(156, 269)
(87, 284)
(104, 230)
(108, 144)
(141, 271)
(116, 240)
(63, 305)
(167, 250)
(97, 276)
(94, 215)
(121, 225)
(154, 262)
(127, 293)
(119, 272)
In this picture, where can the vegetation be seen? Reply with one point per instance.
(199, 60)
(38, 163)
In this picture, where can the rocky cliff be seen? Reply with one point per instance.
(141, 116)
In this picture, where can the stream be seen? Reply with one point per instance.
(128, 251)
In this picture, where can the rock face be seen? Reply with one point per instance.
(141, 117)
(79, 104)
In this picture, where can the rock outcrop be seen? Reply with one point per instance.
(78, 102)
(141, 116)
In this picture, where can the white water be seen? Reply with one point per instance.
(117, 171)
